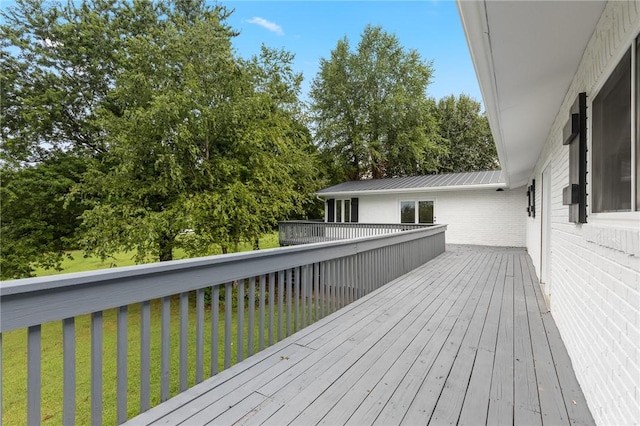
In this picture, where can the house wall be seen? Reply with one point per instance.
(483, 217)
(594, 284)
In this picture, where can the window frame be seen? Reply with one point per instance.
(624, 218)
(416, 206)
(343, 206)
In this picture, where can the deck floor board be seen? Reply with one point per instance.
(463, 339)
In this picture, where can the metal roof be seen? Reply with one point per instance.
(453, 181)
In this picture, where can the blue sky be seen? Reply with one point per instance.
(311, 29)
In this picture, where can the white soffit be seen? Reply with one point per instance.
(525, 54)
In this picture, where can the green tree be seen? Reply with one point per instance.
(38, 225)
(199, 140)
(467, 136)
(168, 121)
(59, 62)
(371, 110)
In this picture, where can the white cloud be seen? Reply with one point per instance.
(271, 26)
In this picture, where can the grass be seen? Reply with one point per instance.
(14, 349)
(14, 346)
(79, 263)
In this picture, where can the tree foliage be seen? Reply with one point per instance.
(185, 144)
(199, 140)
(37, 224)
(59, 63)
(466, 134)
(371, 110)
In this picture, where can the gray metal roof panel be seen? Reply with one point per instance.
(419, 182)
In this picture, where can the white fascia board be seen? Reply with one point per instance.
(473, 15)
(414, 190)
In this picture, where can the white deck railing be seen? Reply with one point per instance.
(278, 292)
(295, 232)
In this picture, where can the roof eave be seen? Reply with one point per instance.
(412, 190)
(473, 15)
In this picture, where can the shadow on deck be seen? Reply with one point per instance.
(464, 339)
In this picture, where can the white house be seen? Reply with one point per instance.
(477, 207)
(561, 87)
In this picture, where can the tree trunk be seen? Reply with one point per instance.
(256, 244)
(166, 247)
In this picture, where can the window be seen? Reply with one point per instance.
(347, 211)
(416, 211)
(425, 211)
(615, 141)
(342, 210)
(407, 212)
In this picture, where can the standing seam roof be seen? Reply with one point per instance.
(489, 177)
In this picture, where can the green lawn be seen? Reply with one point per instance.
(14, 348)
(79, 263)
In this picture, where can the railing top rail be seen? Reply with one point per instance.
(316, 222)
(32, 301)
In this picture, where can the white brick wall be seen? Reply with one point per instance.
(482, 217)
(594, 288)
(492, 218)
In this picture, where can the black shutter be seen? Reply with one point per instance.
(575, 195)
(354, 210)
(331, 210)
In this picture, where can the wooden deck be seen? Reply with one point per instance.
(464, 339)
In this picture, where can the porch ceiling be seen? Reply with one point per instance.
(525, 54)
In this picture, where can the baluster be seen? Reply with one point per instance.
(321, 278)
(184, 333)
(34, 379)
(199, 335)
(280, 304)
(343, 282)
(261, 313)
(352, 279)
(96, 368)
(296, 302)
(145, 355)
(69, 371)
(240, 322)
(310, 294)
(165, 366)
(303, 300)
(316, 290)
(272, 290)
(289, 284)
(215, 324)
(334, 283)
(121, 365)
(228, 312)
(252, 309)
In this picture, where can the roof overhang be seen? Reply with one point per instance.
(525, 54)
(412, 190)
